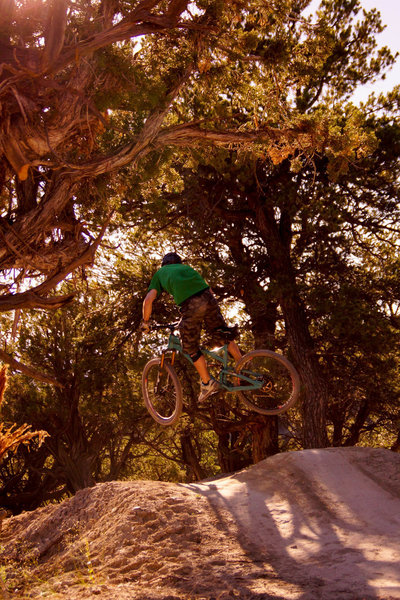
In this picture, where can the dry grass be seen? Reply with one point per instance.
(12, 436)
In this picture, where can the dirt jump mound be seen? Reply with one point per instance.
(315, 524)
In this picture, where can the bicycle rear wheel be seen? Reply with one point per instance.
(279, 382)
(162, 392)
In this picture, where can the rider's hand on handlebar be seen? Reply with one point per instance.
(144, 326)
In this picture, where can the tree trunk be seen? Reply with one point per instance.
(396, 446)
(277, 239)
(190, 457)
(264, 438)
(230, 458)
(261, 310)
(76, 466)
(355, 429)
(315, 389)
(70, 446)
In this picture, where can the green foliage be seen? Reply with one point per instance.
(91, 420)
(332, 211)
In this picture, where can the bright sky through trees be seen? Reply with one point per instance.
(390, 13)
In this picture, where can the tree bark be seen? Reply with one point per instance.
(396, 446)
(230, 459)
(70, 446)
(190, 457)
(264, 438)
(277, 241)
(355, 429)
(261, 310)
(28, 370)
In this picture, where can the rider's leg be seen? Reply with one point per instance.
(201, 367)
(234, 351)
(208, 385)
(190, 327)
(214, 321)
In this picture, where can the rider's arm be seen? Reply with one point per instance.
(148, 304)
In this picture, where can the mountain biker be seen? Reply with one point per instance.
(198, 306)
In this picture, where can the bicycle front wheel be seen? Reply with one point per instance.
(162, 392)
(272, 382)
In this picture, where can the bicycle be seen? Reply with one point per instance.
(270, 387)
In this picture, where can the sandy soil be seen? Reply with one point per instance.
(316, 524)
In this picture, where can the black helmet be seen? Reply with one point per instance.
(172, 258)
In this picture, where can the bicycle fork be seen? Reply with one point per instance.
(161, 369)
(171, 362)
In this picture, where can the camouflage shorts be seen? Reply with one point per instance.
(196, 311)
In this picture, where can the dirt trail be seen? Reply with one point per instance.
(316, 524)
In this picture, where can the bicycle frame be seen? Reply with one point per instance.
(273, 378)
(222, 357)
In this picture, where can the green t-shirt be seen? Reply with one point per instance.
(181, 281)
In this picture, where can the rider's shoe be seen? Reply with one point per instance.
(206, 389)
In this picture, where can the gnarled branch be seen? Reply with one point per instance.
(28, 370)
(34, 298)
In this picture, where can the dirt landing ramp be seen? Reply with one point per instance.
(316, 524)
(325, 520)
